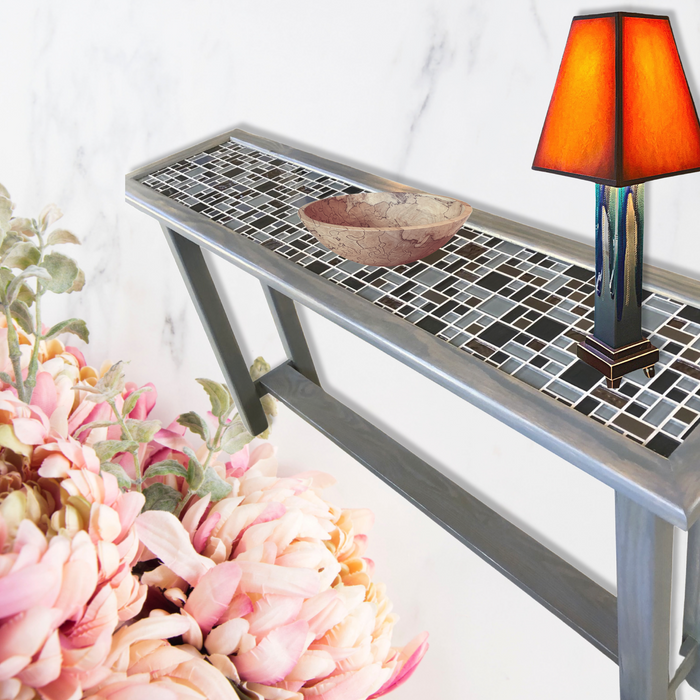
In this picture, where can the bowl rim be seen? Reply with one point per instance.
(463, 215)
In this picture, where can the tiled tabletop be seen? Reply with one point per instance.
(508, 305)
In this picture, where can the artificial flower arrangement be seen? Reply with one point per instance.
(134, 563)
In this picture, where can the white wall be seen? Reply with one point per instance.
(449, 96)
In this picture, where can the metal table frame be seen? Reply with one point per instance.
(653, 494)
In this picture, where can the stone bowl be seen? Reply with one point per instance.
(384, 228)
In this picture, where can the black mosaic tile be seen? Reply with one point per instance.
(257, 195)
(662, 444)
(497, 334)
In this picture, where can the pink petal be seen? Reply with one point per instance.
(312, 665)
(164, 535)
(207, 679)
(213, 593)
(29, 431)
(45, 395)
(65, 687)
(275, 656)
(194, 514)
(238, 464)
(284, 580)
(47, 666)
(273, 611)
(20, 590)
(12, 666)
(77, 355)
(128, 507)
(225, 638)
(202, 535)
(25, 634)
(171, 439)
(410, 657)
(240, 606)
(144, 403)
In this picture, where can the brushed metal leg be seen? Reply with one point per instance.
(691, 606)
(644, 558)
(291, 333)
(194, 270)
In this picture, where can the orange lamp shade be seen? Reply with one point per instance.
(621, 112)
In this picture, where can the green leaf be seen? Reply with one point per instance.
(117, 470)
(167, 466)
(63, 271)
(106, 449)
(142, 430)
(31, 271)
(195, 423)
(161, 497)
(49, 215)
(22, 255)
(214, 485)
(6, 207)
(219, 397)
(60, 236)
(94, 424)
(73, 325)
(22, 226)
(21, 313)
(4, 192)
(78, 284)
(195, 473)
(258, 368)
(26, 295)
(111, 383)
(130, 402)
(236, 437)
(10, 240)
(269, 404)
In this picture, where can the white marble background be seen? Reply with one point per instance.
(449, 96)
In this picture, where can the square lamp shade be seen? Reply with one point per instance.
(621, 114)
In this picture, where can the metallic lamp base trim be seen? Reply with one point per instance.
(616, 363)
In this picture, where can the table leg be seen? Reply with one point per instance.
(644, 559)
(691, 606)
(291, 333)
(194, 270)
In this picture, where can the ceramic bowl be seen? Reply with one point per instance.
(384, 228)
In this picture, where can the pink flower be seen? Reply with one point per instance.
(282, 599)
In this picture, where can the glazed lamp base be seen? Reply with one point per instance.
(616, 363)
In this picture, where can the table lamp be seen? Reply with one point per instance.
(621, 114)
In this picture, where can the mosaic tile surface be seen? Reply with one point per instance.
(512, 307)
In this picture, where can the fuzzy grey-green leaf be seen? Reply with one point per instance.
(106, 449)
(219, 396)
(78, 283)
(95, 424)
(195, 474)
(214, 485)
(60, 235)
(6, 208)
(142, 430)
(167, 466)
(73, 325)
(194, 422)
(21, 313)
(63, 271)
(22, 226)
(111, 383)
(161, 497)
(5, 377)
(236, 437)
(31, 271)
(258, 368)
(118, 471)
(130, 401)
(22, 255)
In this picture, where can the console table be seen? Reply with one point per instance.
(494, 316)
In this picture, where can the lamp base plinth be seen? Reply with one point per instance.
(614, 364)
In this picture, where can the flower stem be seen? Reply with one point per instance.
(126, 434)
(15, 354)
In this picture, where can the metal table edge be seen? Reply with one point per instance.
(644, 476)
